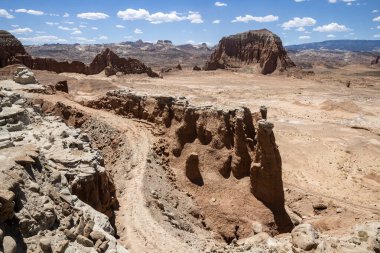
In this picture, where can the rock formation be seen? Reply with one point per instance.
(261, 48)
(9, 48)
(24, 76)
(12, 52)
(54, 192)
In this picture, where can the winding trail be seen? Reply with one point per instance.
(137, 228)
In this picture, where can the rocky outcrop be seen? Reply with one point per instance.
(108, 59)
(12, 52)
(54, 190)
(10, 47)
(24, 76)
(260, 48)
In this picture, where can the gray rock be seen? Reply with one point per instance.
(305, 237)
(96, 235)
(9, 245)
(24, 76)
(84, 241)
(45, 244)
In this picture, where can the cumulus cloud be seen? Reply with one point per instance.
(376, 36)
(304, 37)
(247, 18)
(93, 15)
(21, 30)
(331, 36)
(94, 28)
(76, 32)
(299, 22)
(332, 1)
(217, 21)
(43, 39)
(66, 15)
(299, 1)
(31, 12)
(159, 17)
(5, 14)
(138, 31)
(103, 37)
(332, 27)
(376, 19)
(120, 26)
(220, 4)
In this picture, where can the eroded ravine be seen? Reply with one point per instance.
(138, 230)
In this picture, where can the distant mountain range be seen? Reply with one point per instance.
(343, 45)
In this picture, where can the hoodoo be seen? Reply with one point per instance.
(261, 48)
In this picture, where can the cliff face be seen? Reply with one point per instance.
(12, 52)
(215, 147)
(260, 47)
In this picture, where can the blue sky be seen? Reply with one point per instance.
(187, 21)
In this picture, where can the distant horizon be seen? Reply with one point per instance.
(188, 22)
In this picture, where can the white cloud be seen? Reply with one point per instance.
(194, 17)
(375, 11)
(64, 28)
(332, 1)
(138, 31)
(247, 18)
(301, 29)
(299, 22)
(305, 37)
(51, 23)
(93, 15)
(159, 17)
(217, 21)
(5, 14)
(378, 27)
(82, 26)
(103, 37)
(76, 32)
(94, 28)
(69, 22)
(120, 26)
(299, 1)
(66, 15)
(376, 36)
(31, 12)
(331, 36)
(15, 26)
(220, 4)
(131, 14)
(43, 39)
(376, 19)
(332, 27)
(21, 30)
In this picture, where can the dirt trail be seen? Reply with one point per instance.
(138, 229)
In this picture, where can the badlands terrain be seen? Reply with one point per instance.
(228, 160)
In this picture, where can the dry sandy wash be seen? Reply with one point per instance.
(327, 128)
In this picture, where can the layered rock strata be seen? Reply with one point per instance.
(260, 48)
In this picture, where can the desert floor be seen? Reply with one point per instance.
(328, 134)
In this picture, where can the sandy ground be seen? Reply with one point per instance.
(328, 133)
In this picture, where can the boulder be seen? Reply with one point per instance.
(305, 237)
(84, 241)
(9, 245)
(62, 86)
(24, 76)
(196, 68)
(261, 48)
